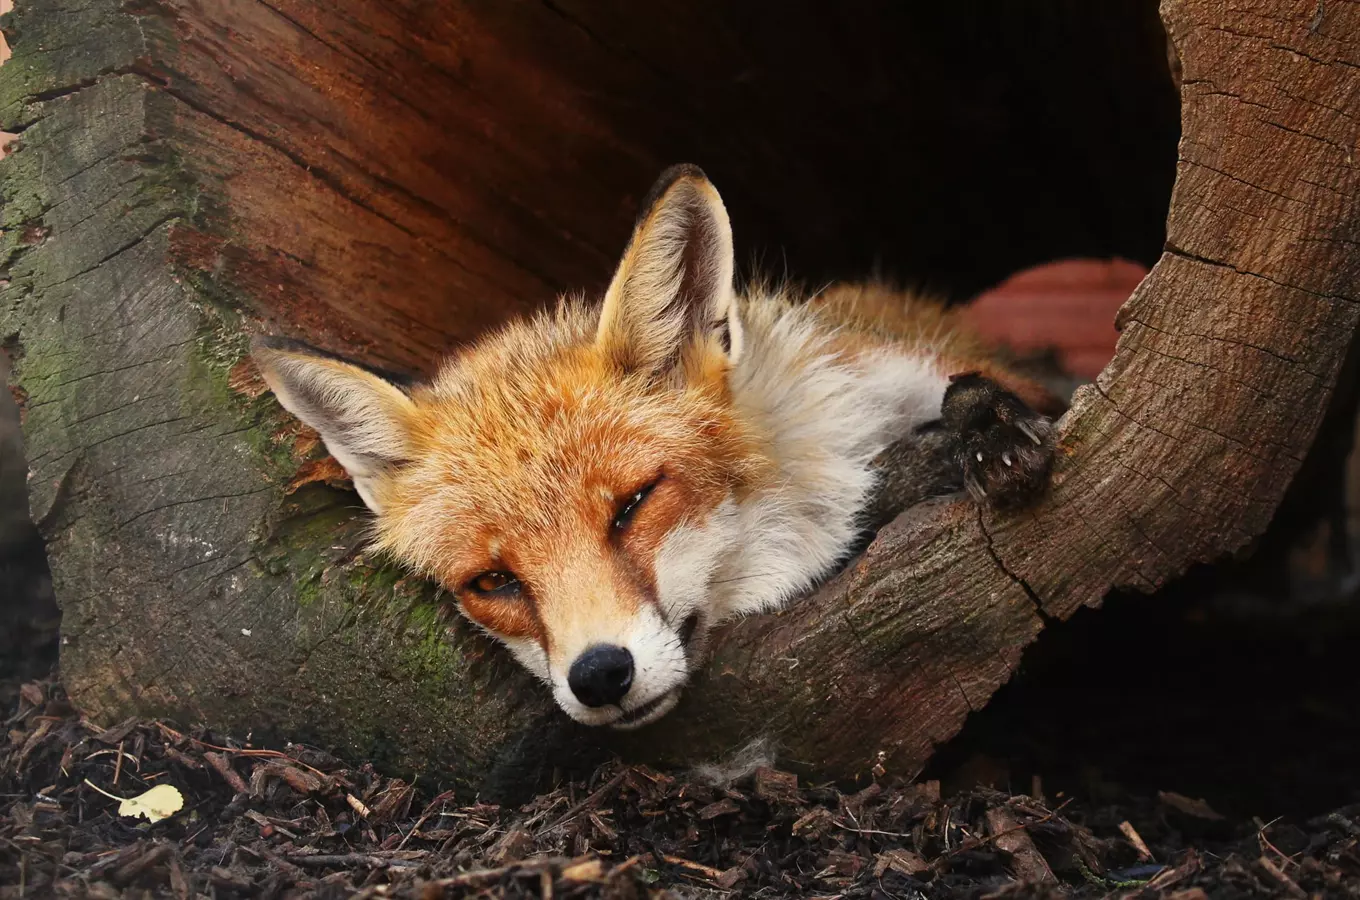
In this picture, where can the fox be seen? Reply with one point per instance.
(601, 484)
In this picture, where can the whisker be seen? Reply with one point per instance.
(745, 577)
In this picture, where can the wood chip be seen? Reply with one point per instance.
(129, 872)
(512, 846)
(1028, 863)
(178, 883)
(774, 786)
(32, 694)
(1199, 809)
(590, 802)
(298, 779)
(814, 824)
(393, 803)
(857, 803)
(222, 766)
(268, 827)
(1168, 877)
(903, 862)
(358, 805)
(729, 879)
(589, 870)
(32, 741)
(601, 828)
(259, 781)
(707, 871)
(724, 807)
(1144, 854)
(840, 862)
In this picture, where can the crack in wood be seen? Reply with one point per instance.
(1188, 255)
(1024, 585)
(191, 500)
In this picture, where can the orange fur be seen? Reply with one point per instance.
(870, 315)
(521, 450)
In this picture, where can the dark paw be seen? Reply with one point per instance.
(1004, 448)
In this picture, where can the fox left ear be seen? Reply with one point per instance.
(673, 287)
(364, 420)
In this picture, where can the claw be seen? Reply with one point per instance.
(1006, 458)
(979, 457)
(1030, 433)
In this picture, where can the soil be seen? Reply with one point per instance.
(296, 822)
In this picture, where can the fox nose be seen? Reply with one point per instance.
(601, 675)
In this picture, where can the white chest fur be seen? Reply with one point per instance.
(826, 416)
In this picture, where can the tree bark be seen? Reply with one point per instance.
(388, 180)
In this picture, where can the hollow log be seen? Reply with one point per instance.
(389, 180)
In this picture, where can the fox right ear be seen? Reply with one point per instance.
(673, 287)
(364, 420)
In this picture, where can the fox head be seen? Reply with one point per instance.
(573, 480)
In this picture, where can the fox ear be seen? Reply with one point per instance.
(673, 287)
(363, 419)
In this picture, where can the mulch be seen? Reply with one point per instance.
(297, 822)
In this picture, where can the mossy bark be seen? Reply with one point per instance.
(188, 169)
(194, 583)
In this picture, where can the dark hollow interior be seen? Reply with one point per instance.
(492, 156)
(942, 144)
(1250, 706)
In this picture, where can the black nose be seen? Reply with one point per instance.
(601, 675)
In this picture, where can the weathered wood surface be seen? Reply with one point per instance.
(389, 179)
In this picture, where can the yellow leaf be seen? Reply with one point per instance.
(161, 802)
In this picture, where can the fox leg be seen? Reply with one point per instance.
(1002, 446)
(993, 436)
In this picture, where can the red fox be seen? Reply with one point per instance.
(601, 485)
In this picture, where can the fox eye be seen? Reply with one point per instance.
(494, 584)
(624, 516)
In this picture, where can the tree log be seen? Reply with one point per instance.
(388, 180)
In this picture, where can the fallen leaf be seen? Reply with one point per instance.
(161, 802)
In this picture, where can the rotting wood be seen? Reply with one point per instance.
(213, 163)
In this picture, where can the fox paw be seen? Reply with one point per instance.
(1004, 448)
